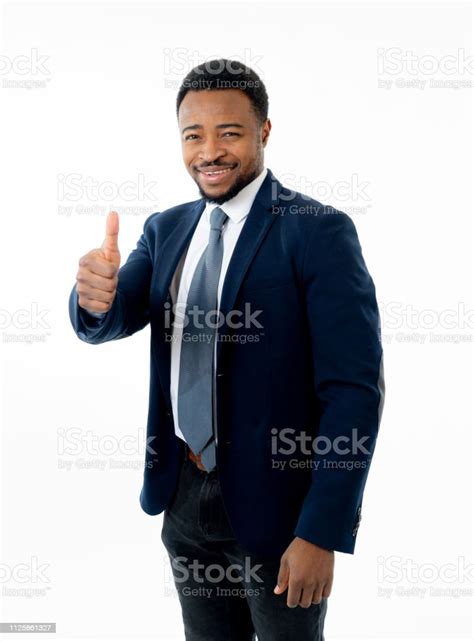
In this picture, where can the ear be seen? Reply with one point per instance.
(267, 126)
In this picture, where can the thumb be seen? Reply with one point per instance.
(110, 244)
(283, 578)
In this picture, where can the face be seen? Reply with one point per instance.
(222, 141)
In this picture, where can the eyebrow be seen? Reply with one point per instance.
(223, 126)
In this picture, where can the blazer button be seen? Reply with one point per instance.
(168, 413)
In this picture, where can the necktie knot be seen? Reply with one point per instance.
(218, 218)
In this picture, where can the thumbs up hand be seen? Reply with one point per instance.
(97, 276)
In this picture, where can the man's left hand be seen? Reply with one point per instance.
(307, 571)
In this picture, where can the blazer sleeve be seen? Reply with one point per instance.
(130, 310)
(348, 378)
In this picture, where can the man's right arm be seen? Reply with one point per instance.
(108, 302)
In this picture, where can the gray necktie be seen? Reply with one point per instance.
(196, 372)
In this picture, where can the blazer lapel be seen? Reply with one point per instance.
(171, 251)
(257, 225)
(165, 266)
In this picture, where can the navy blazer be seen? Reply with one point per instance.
(300, 386)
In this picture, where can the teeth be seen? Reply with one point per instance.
(215, 173)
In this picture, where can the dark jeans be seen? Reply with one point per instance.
(226, 594)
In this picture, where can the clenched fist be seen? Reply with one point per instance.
(97, 276)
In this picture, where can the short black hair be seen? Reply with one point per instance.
(222, 73)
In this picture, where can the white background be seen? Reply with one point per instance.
(397, 159)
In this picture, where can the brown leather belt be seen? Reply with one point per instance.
(196, 458)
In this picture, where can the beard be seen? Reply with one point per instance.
(239, 184)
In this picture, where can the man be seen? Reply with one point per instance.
(266, 386)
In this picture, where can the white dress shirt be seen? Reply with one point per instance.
(237, 209)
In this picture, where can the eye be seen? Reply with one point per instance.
(191, 136)
(230, 133)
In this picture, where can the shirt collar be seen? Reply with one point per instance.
(239, 206)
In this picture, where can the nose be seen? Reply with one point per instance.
(210, 151)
